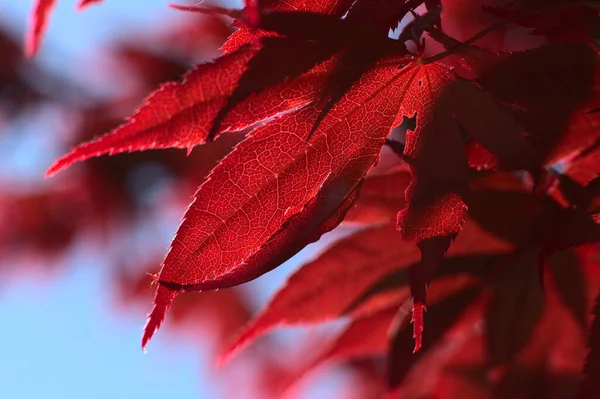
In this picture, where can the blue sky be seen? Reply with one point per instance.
(61, 337)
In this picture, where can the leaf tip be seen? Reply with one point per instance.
(61, 163)
(418, 325)
(243, 339)
(53, 169)
(85, 3)
(39, 24)
(162, 302)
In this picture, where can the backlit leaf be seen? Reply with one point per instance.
(271, 176)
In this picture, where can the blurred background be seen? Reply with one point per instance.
(75, 248)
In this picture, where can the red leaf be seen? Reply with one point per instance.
(454, 273)
(84, 3)
(364, 337)
(324, 288)
(379, 199)
(273, 175)
(39, 22)
(554, 88)
(515, 308)
(569, 278)
(590, 386)
(442, 315)
(180, 114)
(244, 34)
(435, 151)
(329, 286)
(320, 215)
(279, 59)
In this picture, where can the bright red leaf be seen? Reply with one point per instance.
(271, 176)
(180, 115)
(39, 22)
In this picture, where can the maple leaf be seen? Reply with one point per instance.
(175, 271)
(39, 23)
(554, 88)
(435, 152)
(271, 176)
(180, 115)
(354, 265)
(245, 34)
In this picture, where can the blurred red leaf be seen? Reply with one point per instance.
(443, 315)
(515, 308)
(569, 278)
(85, 3)
(39, 22)
(380, 198)
(328, 287)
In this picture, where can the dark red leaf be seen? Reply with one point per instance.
(380, 198)
(590, 386)
(515, 308)
(328, 287)
(569, 279)
(363, 337)
(472, 265)
(435, 151)
(553, 86)
(441, 317)
(502, 205)
(245, 34)
(323, 289)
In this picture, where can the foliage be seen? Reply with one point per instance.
(464, 153)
